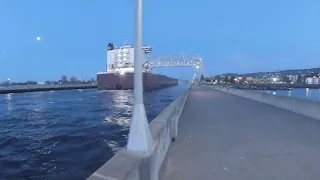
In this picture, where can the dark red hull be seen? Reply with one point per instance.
(125, 81)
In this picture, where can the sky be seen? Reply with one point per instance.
(230, 35)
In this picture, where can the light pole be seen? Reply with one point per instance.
(139, 134)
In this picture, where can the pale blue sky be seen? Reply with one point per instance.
(230, 35)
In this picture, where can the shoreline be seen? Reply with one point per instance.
(274, 86)
(48, 87)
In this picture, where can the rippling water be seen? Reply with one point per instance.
(67, 134)
(310, 94)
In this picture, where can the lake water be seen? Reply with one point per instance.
(310, 94)
(68, 134)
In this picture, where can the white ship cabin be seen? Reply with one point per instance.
(121, 60)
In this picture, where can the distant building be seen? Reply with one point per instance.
(312, 80)
(275, 79)
(207, 79)
(293, 78)
(249, 78)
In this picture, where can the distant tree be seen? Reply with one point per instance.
(226, 79)
(47, 82)
(73, 80)
(30, 82)
(300, 79)
(218, 79)
(285, 79)
(64, 79)
(202, 78)
(6, 83)
(232, 79)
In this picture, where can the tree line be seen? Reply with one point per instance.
(64, 80)
(72, 80)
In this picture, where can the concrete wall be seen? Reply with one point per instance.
(129, 165)
(301, 106)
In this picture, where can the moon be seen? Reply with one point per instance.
(38, 38)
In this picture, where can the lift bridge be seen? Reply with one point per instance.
(120, 60)
(174, 60)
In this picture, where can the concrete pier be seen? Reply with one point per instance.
(214, 132)
(227, 137)
(133, 165)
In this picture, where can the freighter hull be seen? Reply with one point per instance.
(114, 81)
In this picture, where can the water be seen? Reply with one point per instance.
(310, 94)
(67, 134)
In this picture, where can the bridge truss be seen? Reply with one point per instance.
(174, 60)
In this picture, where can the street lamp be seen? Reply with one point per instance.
(139, 134)
(274, 79)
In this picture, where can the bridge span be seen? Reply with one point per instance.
(175, 60)
(212, 132)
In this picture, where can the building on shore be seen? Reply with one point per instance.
(293, 78)
(312, 80)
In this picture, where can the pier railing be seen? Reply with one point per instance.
(133, 165)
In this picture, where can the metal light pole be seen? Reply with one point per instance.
(139, 134)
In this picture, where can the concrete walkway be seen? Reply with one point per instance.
(225, 137)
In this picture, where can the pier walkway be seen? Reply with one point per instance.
(226, 137)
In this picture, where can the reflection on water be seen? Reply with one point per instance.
(123, 99)
(9, 98)
(303, 93)
(122, 102)
(8, 101)
(67, 134)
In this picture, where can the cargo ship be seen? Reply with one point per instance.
(119, 71)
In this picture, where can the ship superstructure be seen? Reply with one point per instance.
(121, 60)
(120, 66)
